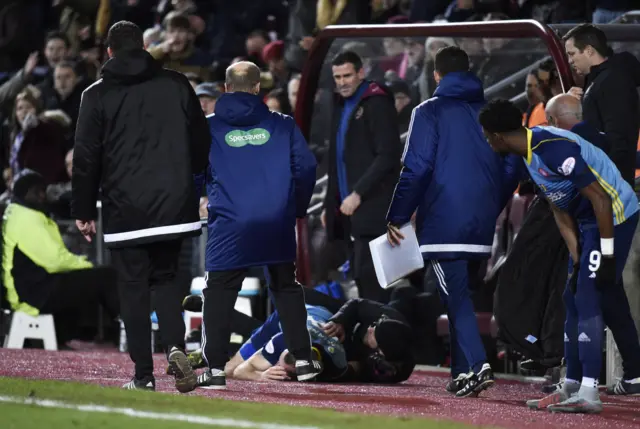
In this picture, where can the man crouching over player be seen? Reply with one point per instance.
(596, 212)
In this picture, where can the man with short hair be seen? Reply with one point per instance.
(141, 136)
(609, 97)
(260, 178)
(596, 212)
(364, 162)
(65, 91)
(208, 94)
(56, 50)
(447, 168)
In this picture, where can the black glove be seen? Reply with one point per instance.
(379, 366)
(606, 275)
(573, 278)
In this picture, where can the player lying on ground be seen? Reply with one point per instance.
(596, 213)
(265, 355)
(367, 362)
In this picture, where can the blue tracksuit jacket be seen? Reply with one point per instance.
(260, 178)
(450, 174)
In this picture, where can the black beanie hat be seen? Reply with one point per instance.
(26, 180)
(394, 338)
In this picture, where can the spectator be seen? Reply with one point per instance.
(607, 11)
(59, 194)
(37, 142)
(415, 51)
(56, 49)
(460, 10)
(39, 273)
(548, 80)
(177, 51)
(292, 90)
(208, 94)
(273, 56)
(277, 101)
(66, 91)
(364, 157)
(534, 114)
(10, 89)
(609, 96)
(16, 39)
(404, 103)
(255, 44)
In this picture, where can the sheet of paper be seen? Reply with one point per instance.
(394, 263)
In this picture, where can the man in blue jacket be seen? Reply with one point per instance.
(455, 181)
(260, 178)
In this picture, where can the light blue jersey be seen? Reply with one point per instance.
(316, 316)
(561, 163)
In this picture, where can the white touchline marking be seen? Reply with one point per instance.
(130, 412)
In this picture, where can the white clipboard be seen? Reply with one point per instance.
(394, 263)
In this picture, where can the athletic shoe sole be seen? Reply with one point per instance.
(213, 387)
(487, 384)
(575, 409)
(547, 401)
(186, 379)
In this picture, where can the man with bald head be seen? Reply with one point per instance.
(260, 178)
(565, 111)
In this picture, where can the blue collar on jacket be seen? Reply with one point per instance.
(462, 85)
(241, 109)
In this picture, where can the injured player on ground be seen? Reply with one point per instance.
(264, 356)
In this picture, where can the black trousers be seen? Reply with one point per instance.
(364, 273)
(220, 296)
(141, 270)
(74, 294)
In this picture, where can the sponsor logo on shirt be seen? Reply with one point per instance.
(254, 137)
(555, 196)
(543, 172)
(567, 166)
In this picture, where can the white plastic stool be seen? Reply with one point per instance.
(250, 287)
(25, 327)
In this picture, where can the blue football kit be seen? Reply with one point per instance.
(561, 163)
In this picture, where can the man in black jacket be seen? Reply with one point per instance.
(140, 136)
(364, 164)
(378, 337)
(609, 96)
